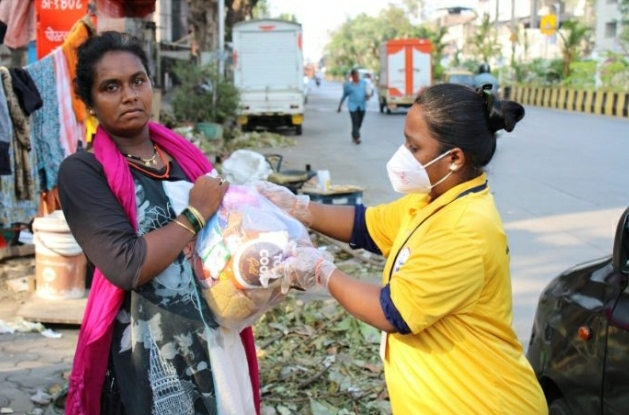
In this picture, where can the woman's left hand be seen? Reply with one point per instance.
(207, 194)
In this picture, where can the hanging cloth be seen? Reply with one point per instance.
(26, 91)
(45, 125)
(19, 16)
(11, 209)
(125, 8)
(5, 135)
(79, 33)
(70, 130)
(24, 186)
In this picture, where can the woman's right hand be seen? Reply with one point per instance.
(207, 194)
(294, 205)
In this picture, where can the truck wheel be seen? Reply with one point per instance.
(298, 129)
(388, 110)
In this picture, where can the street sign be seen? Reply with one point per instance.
(548, 24)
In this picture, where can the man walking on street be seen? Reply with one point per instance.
(484, 76)
(355, 90)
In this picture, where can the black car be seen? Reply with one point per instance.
(579, 347)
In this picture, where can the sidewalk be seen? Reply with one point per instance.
(29, 361)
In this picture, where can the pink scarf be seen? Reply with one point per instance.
(105, 299)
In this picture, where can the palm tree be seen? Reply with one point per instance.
(483, 42)
(575, 36)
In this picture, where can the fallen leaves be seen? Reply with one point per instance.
(317, 359)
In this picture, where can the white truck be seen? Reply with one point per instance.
(269, 73)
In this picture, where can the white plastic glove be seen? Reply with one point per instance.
(305, 268)
(295, 205)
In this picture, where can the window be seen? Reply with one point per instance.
(610, 29)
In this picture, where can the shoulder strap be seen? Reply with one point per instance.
(475, 189)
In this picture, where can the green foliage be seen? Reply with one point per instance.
(202, 96)
(357, 41)
(484, 41)
(575, 36)
(582, 75)
(540, 72)
(614, 72)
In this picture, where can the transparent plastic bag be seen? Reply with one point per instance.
(247, 237)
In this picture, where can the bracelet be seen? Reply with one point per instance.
(186, 227)
(192, 219)
(197, 215)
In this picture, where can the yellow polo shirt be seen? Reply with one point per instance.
(451, 284)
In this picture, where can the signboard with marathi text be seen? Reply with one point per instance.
(55, 18)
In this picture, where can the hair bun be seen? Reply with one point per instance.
(504, 115)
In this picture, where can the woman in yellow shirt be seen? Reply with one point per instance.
(445, 303)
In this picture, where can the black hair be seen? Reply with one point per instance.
(467, 118)
(92, 50)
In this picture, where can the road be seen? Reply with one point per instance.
(557, 179)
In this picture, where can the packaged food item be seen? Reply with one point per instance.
(244, 240)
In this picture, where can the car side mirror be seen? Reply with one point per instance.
(620, 256)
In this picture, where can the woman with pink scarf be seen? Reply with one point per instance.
(148, 343)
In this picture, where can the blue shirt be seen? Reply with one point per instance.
(356, 95)
(486, 78)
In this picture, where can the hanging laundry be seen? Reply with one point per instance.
(11, 209)
(79, 33)
(70, 130)
(21, 141)
(45, 124)
(125, 8)
(3, 31)
(19, 16)
(25, 90)
(5, 135)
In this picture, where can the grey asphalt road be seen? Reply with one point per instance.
(558, 180)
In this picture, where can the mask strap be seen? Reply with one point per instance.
(442, 180)
(437, 159)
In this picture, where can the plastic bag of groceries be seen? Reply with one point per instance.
(245, 239)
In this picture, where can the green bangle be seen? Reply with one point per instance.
(192, 219)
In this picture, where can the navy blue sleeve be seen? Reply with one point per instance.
(391, 313)
(360, 236)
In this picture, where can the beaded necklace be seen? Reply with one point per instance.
(150, 173)
(147, 162)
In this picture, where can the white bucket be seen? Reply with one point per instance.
(60, 265)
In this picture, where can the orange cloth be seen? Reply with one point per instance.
(79, 33)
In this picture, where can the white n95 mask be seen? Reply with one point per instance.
(408, 175)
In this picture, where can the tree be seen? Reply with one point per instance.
(575, 36)
(357, 41)
(238, 11)
(203, 20)
(483, 43)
